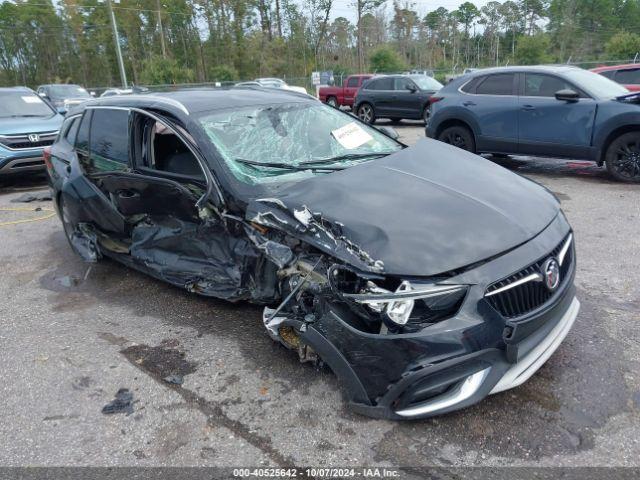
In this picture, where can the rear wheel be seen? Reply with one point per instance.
(425, 114)
(623, 157)
(366, 113)
(458, 136)
(332, 102)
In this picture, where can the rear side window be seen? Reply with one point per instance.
(628, 76)
(380, 84)
(109, 141)
(82, 137)
(470, 86)
(352, 82)
(501, 84)
(72, 131)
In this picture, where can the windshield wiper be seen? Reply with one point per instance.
(347, 156)
(283, 166)
(24, 116)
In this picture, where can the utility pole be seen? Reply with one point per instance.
(164, 48)
(116, 38)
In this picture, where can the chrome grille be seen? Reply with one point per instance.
(22, 142)
(524, 291)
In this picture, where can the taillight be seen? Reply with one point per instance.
(434, 99)
(46, 155)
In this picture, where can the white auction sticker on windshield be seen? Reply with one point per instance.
(31, 99)
(351, 136)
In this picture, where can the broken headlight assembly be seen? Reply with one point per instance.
(408, 307)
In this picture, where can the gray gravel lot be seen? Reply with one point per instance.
(72, 335)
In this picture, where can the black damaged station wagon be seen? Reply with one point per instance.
(426, 277)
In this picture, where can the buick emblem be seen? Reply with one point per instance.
(551, 274)
(34, 137)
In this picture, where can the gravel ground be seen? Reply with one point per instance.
(73, 335)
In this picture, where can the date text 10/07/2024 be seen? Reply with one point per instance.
(311, 472)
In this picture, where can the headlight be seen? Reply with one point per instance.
(420, 303)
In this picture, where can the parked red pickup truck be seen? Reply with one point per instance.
(337, 96)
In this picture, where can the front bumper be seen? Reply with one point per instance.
(20, 161)
(454, 363)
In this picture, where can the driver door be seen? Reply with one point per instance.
(547, 126)
(145, 173)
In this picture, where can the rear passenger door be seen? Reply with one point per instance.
(493, 103)
(381, 95)
(408, 99)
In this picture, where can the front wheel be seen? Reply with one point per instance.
(460, 137)
(332, 102)
(623, 157)
(366, 113)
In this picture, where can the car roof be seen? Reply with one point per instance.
(15, 89)
(523, 68)
(202, 100)
(605, 68)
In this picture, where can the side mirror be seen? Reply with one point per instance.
(412, 88)
(43, 95)
(389, 132)
(567, 95)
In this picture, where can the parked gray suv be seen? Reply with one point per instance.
(553, 111)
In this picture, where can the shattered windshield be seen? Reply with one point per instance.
(289, 142)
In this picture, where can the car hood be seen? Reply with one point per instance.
(426, 210)
(17, 125)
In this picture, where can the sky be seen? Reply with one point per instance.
(345, 8)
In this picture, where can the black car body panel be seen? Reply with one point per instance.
(334, 254)
(414, 200)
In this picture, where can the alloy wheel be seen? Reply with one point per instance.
(332, 102)
(455, 139)
(365, 112)
(626, 161)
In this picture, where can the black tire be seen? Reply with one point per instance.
(366, 113)
(395, 121)
(333, 102)
(460, 137)
(425, 115)
(622, 158)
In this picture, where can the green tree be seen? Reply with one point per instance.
(163, 71)
(533, 50)
(385, 59)
(623, 45)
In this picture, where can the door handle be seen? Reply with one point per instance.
(528, 107)
(469, 103)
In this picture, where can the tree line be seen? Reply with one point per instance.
(181, 41)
